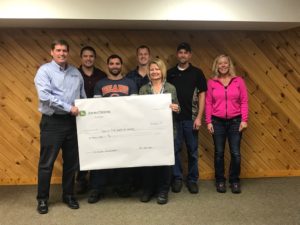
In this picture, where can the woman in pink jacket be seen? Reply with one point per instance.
(226, 112)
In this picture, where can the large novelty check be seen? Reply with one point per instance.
(117, 132)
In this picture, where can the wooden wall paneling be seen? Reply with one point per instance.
(287, 94)
(291, 37)
(268, 61)
(277, 59)
(274, 111)
(16, 100)
(287, 51)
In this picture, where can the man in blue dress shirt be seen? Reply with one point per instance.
(58, 84)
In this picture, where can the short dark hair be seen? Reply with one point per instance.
(59, 42)
(114, 56)
(88, 48)
(141, 47)
(184, 45)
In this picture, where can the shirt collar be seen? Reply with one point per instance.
(58, 66)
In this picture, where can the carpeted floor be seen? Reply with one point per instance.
(270, 201)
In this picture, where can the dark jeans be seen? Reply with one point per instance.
(82, 177)
(186, 132)
(156, 179)
(99, 179)
(57, 132)
(227, 129)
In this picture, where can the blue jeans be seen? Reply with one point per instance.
(227, 129)
(186, 132)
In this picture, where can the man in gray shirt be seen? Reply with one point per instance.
(58, 84)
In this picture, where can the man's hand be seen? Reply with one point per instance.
(74, 111)
(197, 123)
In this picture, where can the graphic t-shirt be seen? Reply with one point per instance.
(112, 88)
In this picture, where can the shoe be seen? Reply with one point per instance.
(162, 198)
(94, 197)
(42, 207)
(221, 187)
(81, 187)
(146, 196)
(176, 186)
(235, 188)
(71, 201)
(192, 187)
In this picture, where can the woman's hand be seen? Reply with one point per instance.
(210, 128)
(175, 107)
(243, 126)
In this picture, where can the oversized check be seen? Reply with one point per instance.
(131, 131)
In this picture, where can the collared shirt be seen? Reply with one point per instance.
(137, 78)
(90, 81)
(58, 88)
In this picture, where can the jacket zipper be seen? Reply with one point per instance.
(225, 101)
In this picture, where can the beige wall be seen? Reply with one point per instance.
(193, 10)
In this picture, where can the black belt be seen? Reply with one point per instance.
(60, 116)
(223, 119)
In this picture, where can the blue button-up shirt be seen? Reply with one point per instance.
(58, 88)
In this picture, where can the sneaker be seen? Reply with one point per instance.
(176, 186)
(162, 198)
(192, 187)
(235, 188)
(221, 187)
(42, 207)
(95, 196)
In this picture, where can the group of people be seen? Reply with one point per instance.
(223, 99)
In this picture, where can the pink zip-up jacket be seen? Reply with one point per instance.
(226, 102)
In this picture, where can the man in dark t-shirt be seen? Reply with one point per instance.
(112, 86)
(91, 75)
(139, 74)
(191, 86)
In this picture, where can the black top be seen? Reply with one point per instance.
(137, 78)
(189, 83)
(110, 88)
(90, 81)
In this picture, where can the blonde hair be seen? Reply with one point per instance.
(161, 65)
(215, 65)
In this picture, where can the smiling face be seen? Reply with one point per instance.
(88, 58)
(114, 66)
(183, 56)
(60, 54)
(143, 56)
(155, 72)
(223, 66)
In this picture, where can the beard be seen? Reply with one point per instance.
(183, 60)
(115, 71)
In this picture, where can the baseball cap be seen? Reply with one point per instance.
(184, 45)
